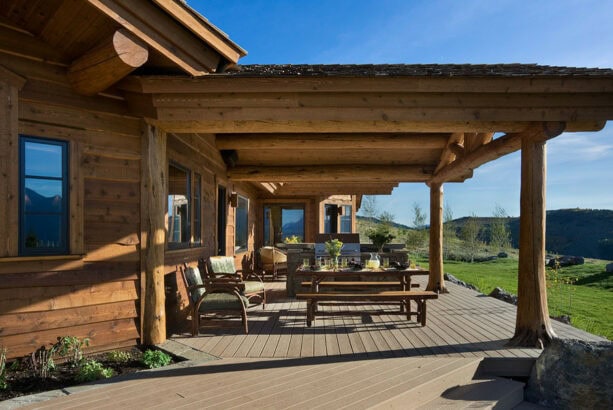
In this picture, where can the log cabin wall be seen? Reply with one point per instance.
(93, 291)
(198, 154)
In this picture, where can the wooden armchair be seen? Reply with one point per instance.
(221, 269)
(205, 298)
(272, 261)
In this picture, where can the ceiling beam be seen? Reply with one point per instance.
(331, 141)
(331, 173)
(107, 63)
(454, 149)
(493, 150)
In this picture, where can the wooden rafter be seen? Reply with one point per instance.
(495, 149)
(113, 59)
(331, 141)
(331, 173)
(453, 149)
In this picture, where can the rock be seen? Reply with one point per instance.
(503, 255)
(566, 261)
(563, 318)
(573, 374)
(503, 295)
(449, 277)
(610, 267)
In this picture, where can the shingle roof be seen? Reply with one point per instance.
(429, 70)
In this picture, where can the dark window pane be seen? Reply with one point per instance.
(293, 223)
(283, 221)
(179, 234)
(242, 220)
(43, 195)
(43, 159)
(346, 219)
(43, 231)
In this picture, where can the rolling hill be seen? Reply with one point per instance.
(580, 232)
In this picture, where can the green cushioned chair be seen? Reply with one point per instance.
(220, 269)
(212, 298)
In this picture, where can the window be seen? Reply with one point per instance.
(197, 209)
(283, 221)
(330, 218)
(43, 187)
(346, 219)
(179, 232)
(242, 228)
(221, 220)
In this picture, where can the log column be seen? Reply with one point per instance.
(533, 326)
(153, 232)
(436, 281)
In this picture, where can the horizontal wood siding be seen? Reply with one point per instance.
(95, 293)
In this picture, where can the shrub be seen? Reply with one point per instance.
(293, 239)
(92, 370)
(72, 347)
(155, 358)
(117, 356)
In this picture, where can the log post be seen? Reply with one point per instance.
(436, 281)
(107, 63)
(533, 326)
(153, 233)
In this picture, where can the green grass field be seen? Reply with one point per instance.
(588, 300)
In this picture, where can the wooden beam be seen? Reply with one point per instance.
(533, 326)
(162, 33)
(106, 64)
(203, 29)
(454, 148)
(331, 173)
(326, 189)
(505, 86)
(329, 141)
(495, 149)
(436, 280)
(273, 125)
(153, 235)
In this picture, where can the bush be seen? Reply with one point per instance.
(92, 370)
(117, 356)
(155, 358)
(72, 347)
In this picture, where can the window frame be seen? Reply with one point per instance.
(65, 203)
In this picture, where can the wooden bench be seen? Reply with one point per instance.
(405, 297)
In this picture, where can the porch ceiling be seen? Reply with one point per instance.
(325, 127)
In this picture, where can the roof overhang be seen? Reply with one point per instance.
(364, 129)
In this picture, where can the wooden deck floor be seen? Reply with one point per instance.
(462, 323)
(362, 360)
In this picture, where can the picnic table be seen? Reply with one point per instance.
(364, 289)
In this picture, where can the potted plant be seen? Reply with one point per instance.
(380, 236)
(333, 247)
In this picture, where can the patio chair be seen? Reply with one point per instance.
(272, 261)
(211, 298)
(221, 269)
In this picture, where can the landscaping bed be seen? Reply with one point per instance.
(21, 379)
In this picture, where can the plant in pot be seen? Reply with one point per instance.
(379, 236)
(333, 247)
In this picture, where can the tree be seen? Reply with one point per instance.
(470, 235)
(449, 232)
(369, 206)
(500, 236)
(419, 217)
(416, 238)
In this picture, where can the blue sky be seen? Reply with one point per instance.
(552, 32)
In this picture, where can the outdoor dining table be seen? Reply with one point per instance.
(403, 276)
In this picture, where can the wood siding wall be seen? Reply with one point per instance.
(94, 292)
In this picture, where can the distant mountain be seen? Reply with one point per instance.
(580, 232)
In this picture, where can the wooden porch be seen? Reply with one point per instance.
(462, 323)
(360, 360)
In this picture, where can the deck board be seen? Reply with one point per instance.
(352, 357)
